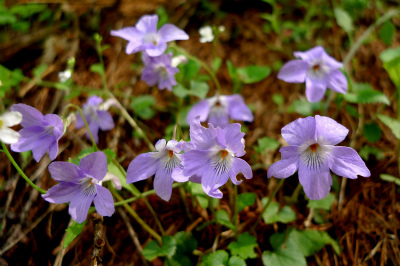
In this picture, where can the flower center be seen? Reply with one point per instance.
(161, 70)
(151, 38)
(314, 147)
(1, 123)
(49, 130)
(316, 67)
(170, 153)
(224, 153)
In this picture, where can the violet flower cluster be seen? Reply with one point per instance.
(145, 37)
(311, 151)
(210, 158)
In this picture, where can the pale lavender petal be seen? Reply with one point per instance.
(134, 47)
(233, 137)
(79, 206)
(28, 138)
(239, 165)
(201, 109)
(79, 121)
(40, 149)
(53, 150)
(30, 116)
(163, 183)
(202, 138)
(93, 100)
(178, 176)
(150, 76)
(211, 180)
(194, 162)
(346, 162)
(142, 167)
(315, 89)
(61, 193)
(94, 129)
(289, 152)
(94, 165)
(330, 61)
(56, 121)
(237, 108)
(161, 144)
(299, 131)
(11, 118)
(8, 135)
(283, 168)
(294, 71)
(174, 146)
(147, 23)
(316, 181)
(103, 201)
(170, 32)
(218, 117)
(337, 81)
(127, 33)
(328, 131)
(106, 120)
(312, 55)
(65, 172)
(157, 50)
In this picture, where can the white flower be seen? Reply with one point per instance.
(176, 60)
(7, 120)
(64, 76)
(221, 28)
(206, 33)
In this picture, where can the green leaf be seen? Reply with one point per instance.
(223, 219)
(252, 74)
(110, 153)
(278, 99)
(185, 245)
(284, 253)
(273, 214)
(236, 261)
(372, 132)
(72, 232)
(162, 16)
(180, 91)
(245, 199)
(152, 250)
(26, 155)
(325, 203)
(366, 151)
(391, 123)
(266, 144)
(390, 178)
(301, 107)
(386, 32)
(198, 192)
(218, 258)
(199, 89)
(112, 168)
(82, 154)
(244, 246)
(391, 63)
(39, 70)
(344, 20)
(97, 68)
(364, 93)
(352, 110)
(311, 241)
(216, 64)
(142, 106)
(191, 68)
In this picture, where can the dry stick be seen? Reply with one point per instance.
(98, 238)
(266, 205)
(137, 217)
(133, 235)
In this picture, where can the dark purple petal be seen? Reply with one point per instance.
(233, 139)
(337, 81)
(299, 131)
(315, 89)
(328, 131)
(211, 180)
(294, 71)
(61, 193)
(142, 167)
(30, 116)
(103, 201)
(106, 120)
(147, 23)
(170, 32)
(80, 204)
(346, 162)
(94, 165)
(163, 183)
(237, 108)
(312, 55)
(239, 165)
(201, 109)
(65, 172)
(195, 179)
(316, 180)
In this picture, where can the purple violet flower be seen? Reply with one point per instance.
(213, 157)
(95, 117)
(160, 163)
(219, 109)
(39, 134)
(312, 153)
(159, 70)
(318, 70)
(145, 37)
(81, 185)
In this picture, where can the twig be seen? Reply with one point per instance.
(98, 239)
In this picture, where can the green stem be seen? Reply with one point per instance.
(136, 216)
(235, 213)
(204, 65)
(20, 170)
(267, 205)
(84, 121)
(183, 196)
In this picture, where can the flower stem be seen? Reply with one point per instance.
(204, 65)
(235, 212)
(20, 170)
(84, 121)
(136, 216)
(267, 205)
